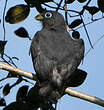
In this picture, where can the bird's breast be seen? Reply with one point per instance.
(56, 45)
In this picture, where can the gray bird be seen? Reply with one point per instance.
(56, 56)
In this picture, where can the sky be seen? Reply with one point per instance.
(93, 62)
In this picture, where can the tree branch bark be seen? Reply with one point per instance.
(68, 91)
(84, 96)
(5, 66)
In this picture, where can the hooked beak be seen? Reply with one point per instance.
(39, 17)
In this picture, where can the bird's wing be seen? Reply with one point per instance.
(34, 48)
(70, 63)
(40, 61)
(80, 48)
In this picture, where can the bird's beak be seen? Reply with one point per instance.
(39, 17)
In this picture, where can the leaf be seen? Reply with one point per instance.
(77, 78)
(21, 32)
(37, 100)
(19, 106)
(2, 102)
(75, 34)
(13, 106)
(18, 81)
(101, 5)
(1, 87)
(22, 93)
(92, 10)
(70, 1)
(45, 1)
(17, 14)
(34, 92)
(11, 74)
(2, 47)
(37, 4)
(6, 89)
(34, 3)
(81, 1)
(75, 23)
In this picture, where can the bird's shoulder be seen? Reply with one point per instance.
(36, 37)
(34, 47)
(35, 40)
(80, 48)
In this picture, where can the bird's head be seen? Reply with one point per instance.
(51, 19)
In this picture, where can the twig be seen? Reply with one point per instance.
(90, 23)
(82, 11)
(86, 31)
(59, 5)
(4, 19)
(68, 91)
(51, 6)
(10, 60)
(94, 44)
(66, 16)
(61, 8)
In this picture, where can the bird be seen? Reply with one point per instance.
(56, 56)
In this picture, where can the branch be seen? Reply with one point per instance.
(18, 71)
(59, 5)
(83, 96)
(68, 91)
(86, 32)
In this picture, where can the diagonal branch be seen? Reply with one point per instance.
(5, 66)
(68, 91)
(59, 5)
(83, 96)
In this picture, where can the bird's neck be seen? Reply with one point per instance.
(55, 27)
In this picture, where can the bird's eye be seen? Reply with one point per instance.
(48, 15)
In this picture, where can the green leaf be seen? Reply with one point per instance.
(75, 23)
(92, 9)
(19, 106)
(81, 1)
(22, 32)
(2, 47)
(11, 74)
(6, 89)
(34, 3)
(70, 1)
(101, 5)
(17, 14)
(22, 93)
(2, 102)
(75, 34)
(77, 78)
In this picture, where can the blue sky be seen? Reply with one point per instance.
(93, 63)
